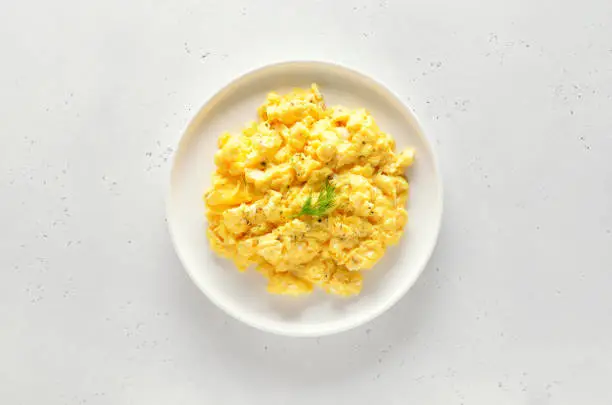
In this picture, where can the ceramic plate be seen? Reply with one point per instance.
(243, 295)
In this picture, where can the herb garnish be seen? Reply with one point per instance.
(325, 202)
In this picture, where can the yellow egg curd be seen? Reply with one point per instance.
(308, 194)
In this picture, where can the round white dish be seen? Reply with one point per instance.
(244, 295)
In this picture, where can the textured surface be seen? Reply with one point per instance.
(514, 308)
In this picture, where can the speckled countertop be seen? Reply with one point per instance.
(514, 308)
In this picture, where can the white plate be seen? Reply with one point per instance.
(243, 295)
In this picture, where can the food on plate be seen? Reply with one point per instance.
(308, 194)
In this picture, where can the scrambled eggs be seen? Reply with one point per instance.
(267, 174)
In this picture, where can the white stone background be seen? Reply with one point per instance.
(515, 306)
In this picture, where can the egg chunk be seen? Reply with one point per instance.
(309, 195)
